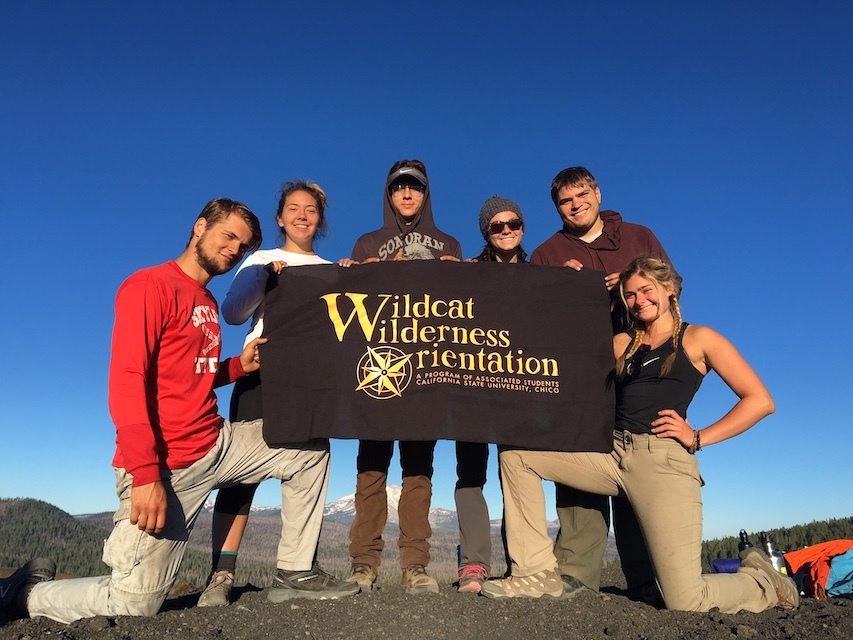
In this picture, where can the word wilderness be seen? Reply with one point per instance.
(427, 350)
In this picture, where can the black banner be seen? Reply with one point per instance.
(518, 355)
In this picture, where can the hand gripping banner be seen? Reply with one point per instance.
(517, 355)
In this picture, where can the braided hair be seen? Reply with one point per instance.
(662, 274)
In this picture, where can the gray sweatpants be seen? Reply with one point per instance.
(144, 566)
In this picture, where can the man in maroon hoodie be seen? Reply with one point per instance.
(599, 240)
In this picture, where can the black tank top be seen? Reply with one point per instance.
(640, 397)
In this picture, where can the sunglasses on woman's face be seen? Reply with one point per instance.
(635, 363)
(497, 227)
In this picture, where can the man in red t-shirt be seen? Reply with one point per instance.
(173, 448)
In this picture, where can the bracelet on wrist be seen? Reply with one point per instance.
(696, 445)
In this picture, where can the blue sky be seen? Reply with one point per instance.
(725, 127)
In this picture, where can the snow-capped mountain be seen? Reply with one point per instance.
(343, 510)
(260, 510)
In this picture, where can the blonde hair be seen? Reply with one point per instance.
(662, 274)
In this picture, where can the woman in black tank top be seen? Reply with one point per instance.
(659, 367)
(661, 363)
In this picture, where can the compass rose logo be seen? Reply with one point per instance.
(384, 372)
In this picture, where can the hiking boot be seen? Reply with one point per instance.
(416, 580)
(363, 575)
(786, 590)
(471, 578)
(572, 587)
(314, 584)
(545, 584)
(217, 593)
(15, 589)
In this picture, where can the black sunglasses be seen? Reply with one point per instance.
(401, 186)
(635, 364)
(496, 227)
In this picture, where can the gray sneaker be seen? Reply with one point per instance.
(15, 589)
(314, 584)
(786, 590)
(471, 578)
(572, 587)
(218, 590)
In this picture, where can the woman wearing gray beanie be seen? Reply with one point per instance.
(502, 226)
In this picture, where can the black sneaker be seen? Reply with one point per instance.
(572, 587)
(15, 589)
(648, 593)
(314, 584)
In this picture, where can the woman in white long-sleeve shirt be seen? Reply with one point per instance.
(301, 219)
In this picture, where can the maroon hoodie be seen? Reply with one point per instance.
(619, 243)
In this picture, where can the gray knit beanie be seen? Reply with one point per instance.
(494, 206)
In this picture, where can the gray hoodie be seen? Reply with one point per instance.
(396, 240)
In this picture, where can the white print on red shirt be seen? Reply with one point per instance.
(202, 316)
(202, 313)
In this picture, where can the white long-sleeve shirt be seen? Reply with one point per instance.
(245, 298)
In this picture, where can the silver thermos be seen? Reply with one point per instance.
(776, 558)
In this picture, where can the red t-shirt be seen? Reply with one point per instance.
(163, 369)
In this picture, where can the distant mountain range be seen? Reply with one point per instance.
(343, 511)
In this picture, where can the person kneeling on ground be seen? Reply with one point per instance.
(659, 367)
(172, 447)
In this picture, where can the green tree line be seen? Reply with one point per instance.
(31, 528)
(787, 538)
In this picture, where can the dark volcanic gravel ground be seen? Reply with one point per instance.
(390, 613)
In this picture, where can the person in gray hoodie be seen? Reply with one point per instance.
(408, 232)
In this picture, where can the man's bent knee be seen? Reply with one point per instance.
(123, 603)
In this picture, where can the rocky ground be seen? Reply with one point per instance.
(391, 614)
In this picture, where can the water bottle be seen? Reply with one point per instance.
(776, 558)
(744, 541)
